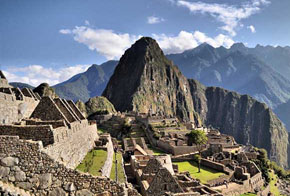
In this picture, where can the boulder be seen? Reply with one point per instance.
(4, 172)
(45, 181)
(57, 192)
(9, 161)
(20, 176)
(84, 192)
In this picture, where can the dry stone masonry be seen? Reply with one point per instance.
(23, 164)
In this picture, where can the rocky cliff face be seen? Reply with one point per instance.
(241, 116)
(146, 81)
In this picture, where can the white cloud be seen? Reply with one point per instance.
(252, 28)
(187, 40)
(106, 42)
(113, 45)
(154, 20)
(229, 15)
(65, 31)
(36, 74)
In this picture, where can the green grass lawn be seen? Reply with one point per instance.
(156, 151)
(121, 175)
(93, 162)
(274, 189)
(205, 172)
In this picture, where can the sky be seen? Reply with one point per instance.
(50, 41)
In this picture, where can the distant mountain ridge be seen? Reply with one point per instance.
(261, 72)
(21, 85)
(88, 84)
(239, 69)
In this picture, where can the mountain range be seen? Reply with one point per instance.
(261, 72)
(146, 81)
(241, 69)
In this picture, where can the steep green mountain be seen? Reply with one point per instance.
(45, 90)
(88, 84)
(21, 85)
(146, 81)
(235, 69)
(99, 104)
(96, 105)
(241, 116)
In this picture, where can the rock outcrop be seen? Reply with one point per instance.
(99, 105)
(95, 106)
(45, 90)
(241, 116)
(146, 81)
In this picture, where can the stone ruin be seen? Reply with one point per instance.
(26, 170)
(156, 175)
(4, 81)
(42, 140)
(60, 126)
(15, 104)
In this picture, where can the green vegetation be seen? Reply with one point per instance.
(99, 105)
(248, 194)
(102, 130)
(198, 138)
(156, 151)
(121, 175)
(93, 162)
(192, 167)
(263, 163)
(273, 181)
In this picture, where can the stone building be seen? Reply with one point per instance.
(15, 104)
(64, 132)
(156, 175)
(4, 81)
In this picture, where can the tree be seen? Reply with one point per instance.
(199, 138)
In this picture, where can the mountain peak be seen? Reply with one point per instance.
(143, 45)
(238, 46)
(146, 81)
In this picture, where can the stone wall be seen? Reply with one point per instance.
(42, 133)
(23, 164)
(214, 165)
(72, 145)
(107, 167)
(12, 110)
(4, 83)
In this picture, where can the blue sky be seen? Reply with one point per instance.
(50, 41)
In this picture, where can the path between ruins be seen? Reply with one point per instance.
(106, 169)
